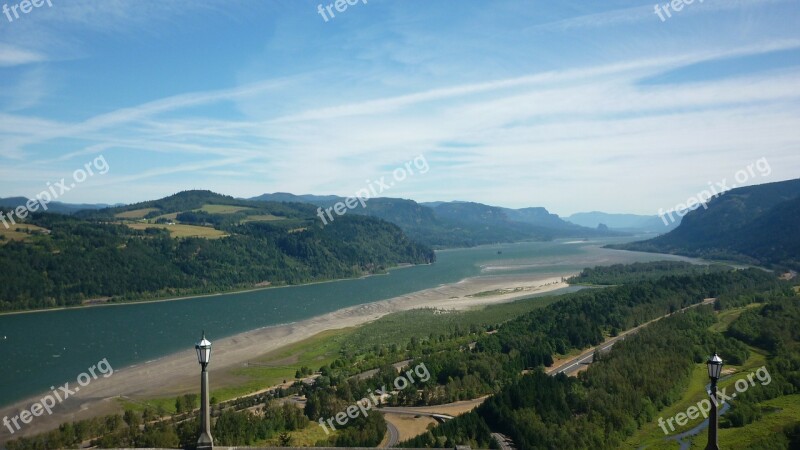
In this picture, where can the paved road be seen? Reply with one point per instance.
(394, 434)
(412, 411)
(504, 441)
(587, 356)
(567, 368)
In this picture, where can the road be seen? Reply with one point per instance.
(504, 441)
(587, 356)
(423, 411)
(394, 434)
(568, 367)
(411, 411)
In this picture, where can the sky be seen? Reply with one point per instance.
(571, 105)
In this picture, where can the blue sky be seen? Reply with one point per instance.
(571, 105)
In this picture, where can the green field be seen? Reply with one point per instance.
(223, 209)
(171, 216)
(135, 214)
(726, 318)
(306, 437)
(787, 411)
(182, 231)
(263, 218)
(400, 328)
(275, 367)
(24, 233)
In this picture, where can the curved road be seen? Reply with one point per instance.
(394, 434)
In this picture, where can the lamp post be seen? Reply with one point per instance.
(203, 348)
(714, 370)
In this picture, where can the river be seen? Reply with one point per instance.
(43, 349)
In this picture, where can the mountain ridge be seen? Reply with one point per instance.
(753, 224)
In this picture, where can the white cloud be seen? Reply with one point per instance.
(11, 55)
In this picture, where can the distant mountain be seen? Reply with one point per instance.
(456, 224)
(624, 222)
(540, 216)
(55, 207)
(754, 224)
(471, 212)
(318, 200)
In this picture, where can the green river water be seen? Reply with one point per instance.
(42, 349)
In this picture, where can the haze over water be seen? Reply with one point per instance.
(46, 349)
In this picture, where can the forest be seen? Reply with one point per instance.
(752, 224)
(536, 410)
(618, 394)
(92, 257)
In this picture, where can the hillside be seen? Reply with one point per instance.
(9, 203)
(191, 242)
(754, 224)
(456, 224)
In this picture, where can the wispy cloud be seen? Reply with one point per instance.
(15, 56)
(579, 130)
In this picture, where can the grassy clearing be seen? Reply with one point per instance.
(165, 405)
(652, 436)
(787, 412)
(263, 218)
(307, 437)
(223, 209)
(280, 365)
(180, 231)
(399, 328)
(171, 216)
(726, 318)
(135, 214)
(19, 232)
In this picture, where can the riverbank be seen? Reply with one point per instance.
(177, 373)
(244, 290)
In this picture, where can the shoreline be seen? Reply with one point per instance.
(215, 294)
(175, 374)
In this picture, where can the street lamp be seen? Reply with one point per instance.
(203, 349)
(714, 371)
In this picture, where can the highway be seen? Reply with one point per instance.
(587, 356)
(568, 367)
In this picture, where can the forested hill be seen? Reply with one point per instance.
(192, 242)
(456, 224)
(754, 224)
(615, 397)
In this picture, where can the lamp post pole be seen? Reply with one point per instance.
(714, 370)
(205, 442)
